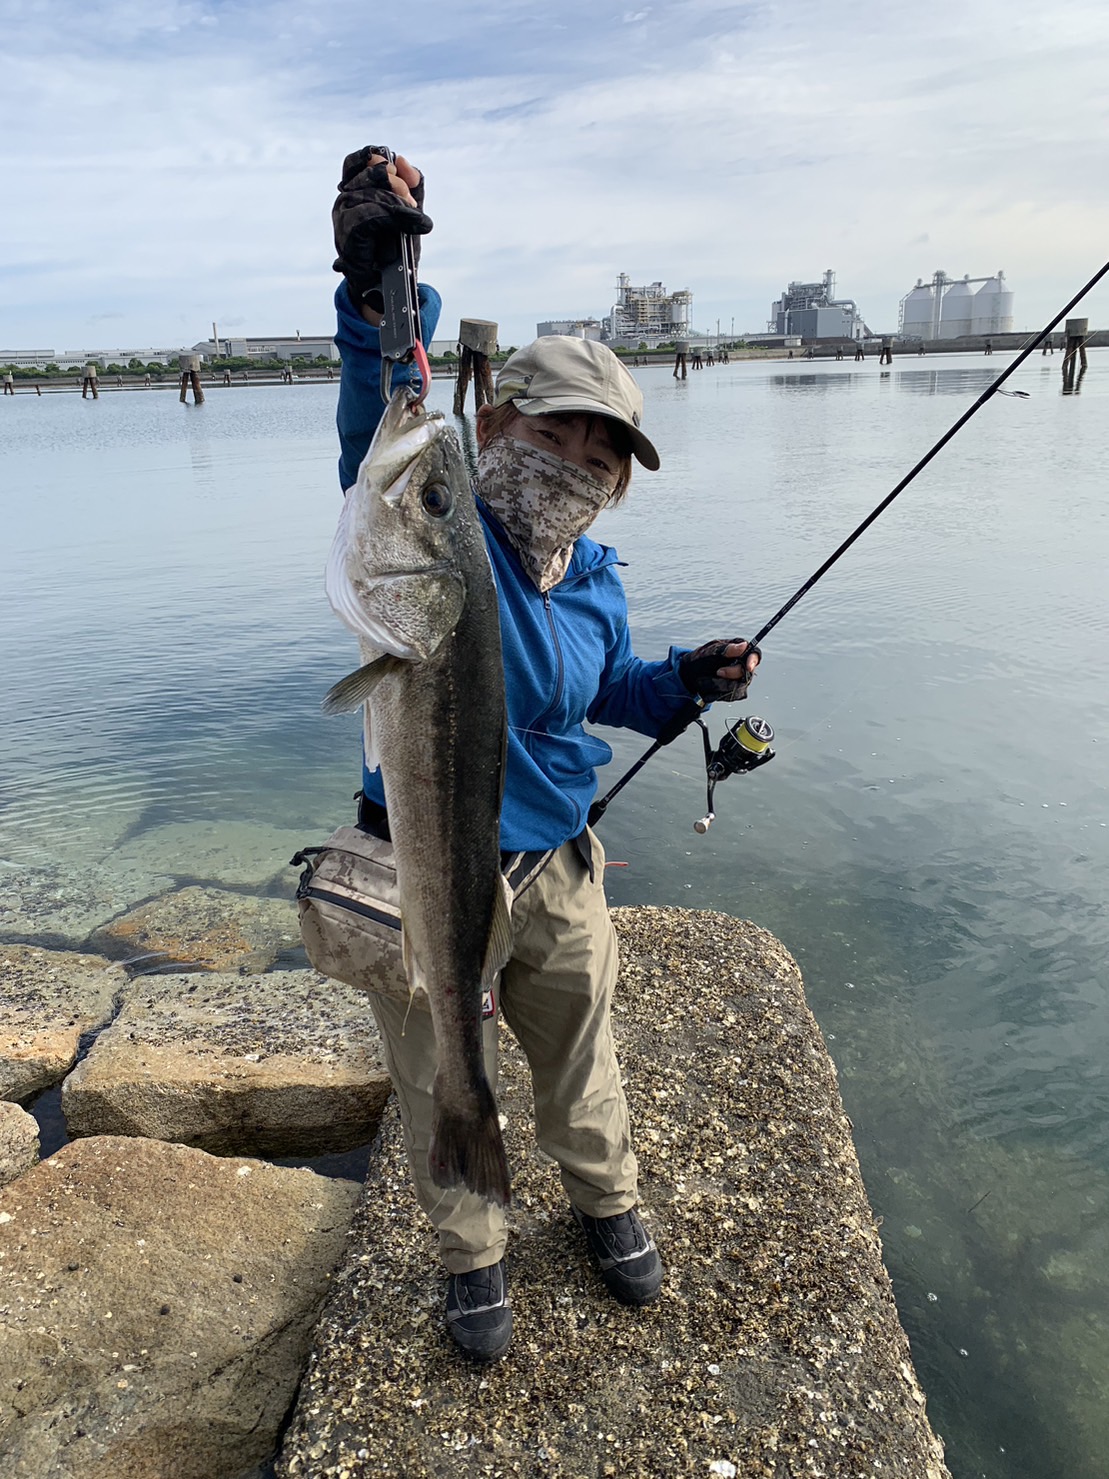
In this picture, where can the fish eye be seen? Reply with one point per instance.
(437, 500)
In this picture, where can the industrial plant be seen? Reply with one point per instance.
(810, 310)
(649, 315)
(572, 328)
(949, 308)
(641, 317)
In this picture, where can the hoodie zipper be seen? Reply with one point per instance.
(558, 652)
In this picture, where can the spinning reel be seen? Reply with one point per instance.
(744, 747)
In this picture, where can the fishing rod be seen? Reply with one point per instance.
(746, 744)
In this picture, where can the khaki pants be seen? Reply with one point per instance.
(555, 994)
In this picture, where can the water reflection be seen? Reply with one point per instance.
(1072, 384)
(943, 380)
(954, 381)
(825, 384)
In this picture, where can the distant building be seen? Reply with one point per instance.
(77, 359)
(949, 308)
(573, 328)
(30, 359)
(288, 347)
(648, 315)
(810, 310)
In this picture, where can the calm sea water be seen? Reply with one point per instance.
(932, 841)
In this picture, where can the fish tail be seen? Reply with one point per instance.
(467, 1149)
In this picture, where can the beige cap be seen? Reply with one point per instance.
(557, 373)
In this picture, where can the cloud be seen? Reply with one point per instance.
(169, 169)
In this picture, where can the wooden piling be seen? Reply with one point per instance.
(190, 375)
(886, 356)
(9, 383)
(681, 359)
(477, 340)
(89, 383)
(1078, 331)
(859, 350)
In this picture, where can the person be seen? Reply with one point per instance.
(554, 449)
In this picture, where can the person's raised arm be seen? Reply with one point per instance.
(377, 202)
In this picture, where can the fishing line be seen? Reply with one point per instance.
(736, 754)
(991, 390)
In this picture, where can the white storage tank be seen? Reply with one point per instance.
(993, 307)
(916, 311)
(957, 311)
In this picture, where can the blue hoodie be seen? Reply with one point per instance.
(567, 656)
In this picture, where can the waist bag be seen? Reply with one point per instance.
(349, 906)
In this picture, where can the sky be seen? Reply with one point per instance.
(169, 164)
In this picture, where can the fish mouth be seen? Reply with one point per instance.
(390, 577)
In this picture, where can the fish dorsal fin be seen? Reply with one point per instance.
(353, 690)
(499, 947)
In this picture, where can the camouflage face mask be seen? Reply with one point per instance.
(543, 502)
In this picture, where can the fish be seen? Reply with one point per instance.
(409, 573)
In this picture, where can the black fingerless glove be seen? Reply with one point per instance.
(698, 670)
(369, 218)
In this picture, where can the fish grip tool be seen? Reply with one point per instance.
(400, 324)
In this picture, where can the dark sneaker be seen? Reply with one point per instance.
(479, 1317)
(626, 1256)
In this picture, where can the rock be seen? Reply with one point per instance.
(775, 1347)
(57, 904)
(285, 1064)
(19, 1141)
(203, 926)
(155, 1309)
(47, 999)
(243, 854)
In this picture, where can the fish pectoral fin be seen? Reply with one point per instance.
(353, 690)
(499, 948)
(417, 981)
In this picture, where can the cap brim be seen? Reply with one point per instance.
(642, 448)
